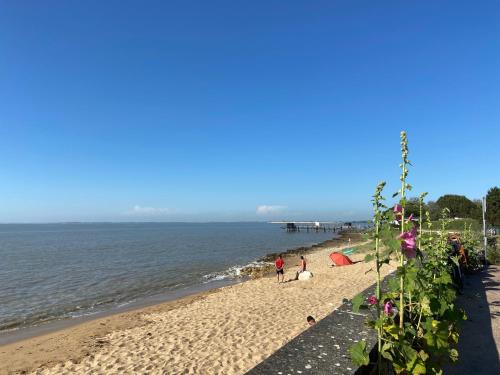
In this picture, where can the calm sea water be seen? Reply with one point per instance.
(55, 271)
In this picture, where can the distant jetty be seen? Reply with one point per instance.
(307, 226)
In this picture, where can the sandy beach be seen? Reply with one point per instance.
(224, 331)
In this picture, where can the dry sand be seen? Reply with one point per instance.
(226, 331)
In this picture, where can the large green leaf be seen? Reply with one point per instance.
(414, 363)
(393, 284)
(357, 302)
(387, 351)
(437, 336)
(359, 355)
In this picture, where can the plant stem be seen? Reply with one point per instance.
(418, 324)
(379, 295)
(401, 261)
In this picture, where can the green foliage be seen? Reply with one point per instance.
(357, 302)
(493, 206)
(460, 206)
(493, 255)
(458, 224)
(412, 207)
(358, 353)
(433, 209)
(471, 241)
(416, 318)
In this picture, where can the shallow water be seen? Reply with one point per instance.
(54, 271)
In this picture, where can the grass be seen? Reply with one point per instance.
(458, 225)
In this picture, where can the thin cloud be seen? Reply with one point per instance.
(138, 210)
(270, 209)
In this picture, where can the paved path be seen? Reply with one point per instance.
(479, 343)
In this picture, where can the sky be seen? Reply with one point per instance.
(242, 110)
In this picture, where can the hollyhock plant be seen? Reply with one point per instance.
(409, 243)
(412, 337)
(372, 300)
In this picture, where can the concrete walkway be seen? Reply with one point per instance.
(479, 343)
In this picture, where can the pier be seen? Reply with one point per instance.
(312, 226)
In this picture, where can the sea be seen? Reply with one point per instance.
(53, 272)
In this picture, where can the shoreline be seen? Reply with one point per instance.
(25, 333)
(79, 340)
(260, 269)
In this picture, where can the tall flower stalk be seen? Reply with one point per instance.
(402, 193)
(378, 208)
(420, 217)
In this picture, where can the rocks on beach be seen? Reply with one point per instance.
(265, 265)
(306, 275)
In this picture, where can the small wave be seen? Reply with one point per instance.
(233, 272)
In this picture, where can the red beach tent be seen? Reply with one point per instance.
(340, 259)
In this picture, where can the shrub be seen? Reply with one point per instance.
(493, 255)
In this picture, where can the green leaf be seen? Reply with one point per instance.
(357, 302)
(425, 304)
(414, 363)
(379, 322)
(435, 305)
(453, 355)
(439, 338)
(392, 330)
(358, 353)
(418, 367)
(396, 193)
(386, 351)
(444, 278)
(393, 284)
(423, 355)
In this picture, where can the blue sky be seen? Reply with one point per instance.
(242, 110)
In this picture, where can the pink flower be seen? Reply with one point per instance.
(388, 308)
(409, 243)
(410, 218)
(397, 211)
(372, 300)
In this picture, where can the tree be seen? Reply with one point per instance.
(477, 212)
(412, 207)
(434, 210)
(493, 206)
(459, 206)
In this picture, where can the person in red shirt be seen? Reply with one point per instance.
(280, 268)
